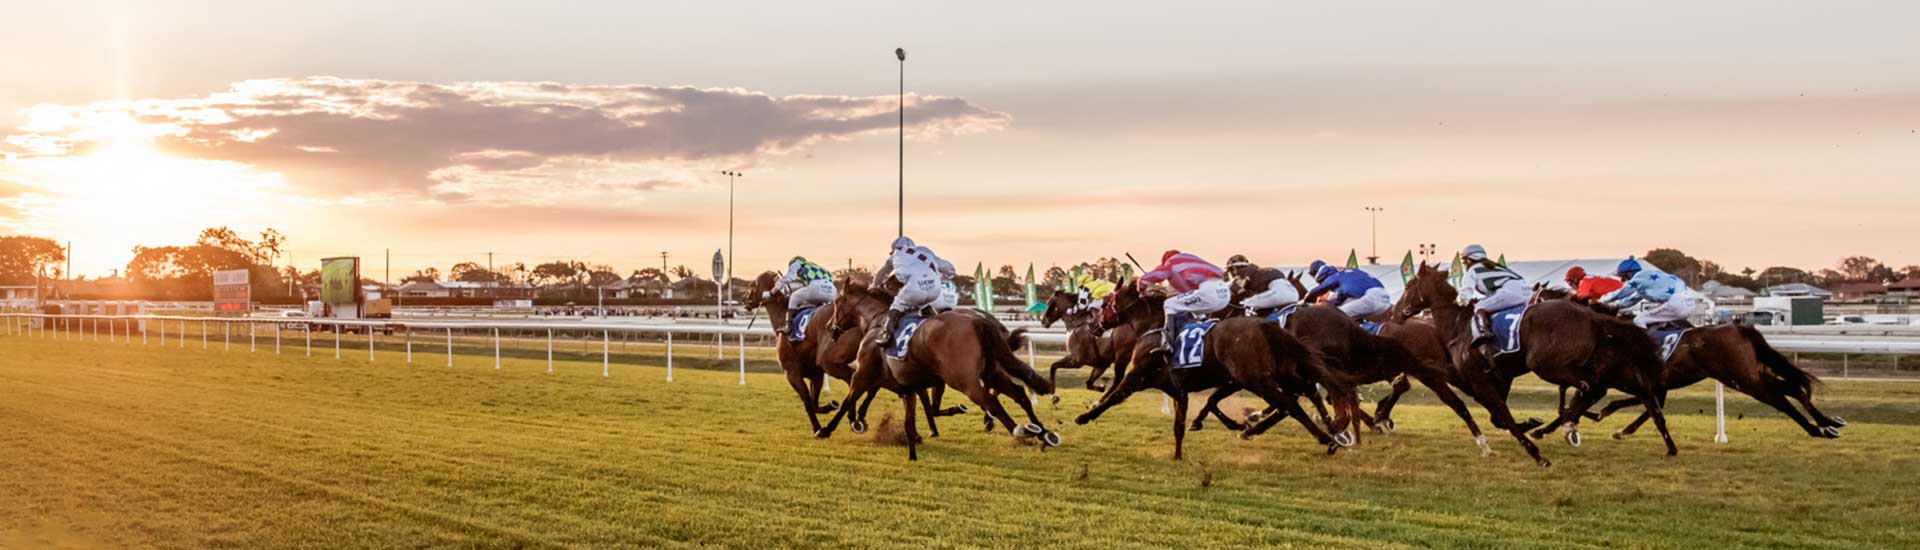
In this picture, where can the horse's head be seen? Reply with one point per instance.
(1294, 277)
(1128, 304)
(1057, 306)
(852, 304)
(1427, 288)
(763, 291)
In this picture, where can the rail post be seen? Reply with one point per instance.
(606, 338)
(742, 352)
(226, 336)
(409, 339)
(669, 355)
(449, 347)
(370, 336)
(276, 338)
(549, 351)
(1719, 413)
(336, 341)
(496, 349)
(253, 341)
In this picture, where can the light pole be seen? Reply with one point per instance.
(901, 211)
(1427, 250)
(726, 288)
(1374, 213)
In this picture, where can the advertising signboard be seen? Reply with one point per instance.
(340, 281)
(231, 291)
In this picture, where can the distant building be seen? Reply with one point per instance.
(1725, 294)
(1798, 289)
(19, 296)
(1904, 291)
(466, 289)
(1860, 292)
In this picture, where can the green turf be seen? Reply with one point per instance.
(123, 445)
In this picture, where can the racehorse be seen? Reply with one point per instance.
(1086, 347)
(1739, 357)
(1238, 353)
(809, 361)
(1356, 358)
(966, 351)
(1562, 342)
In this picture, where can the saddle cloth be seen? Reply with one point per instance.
(798, 332)
(1668, 338)
(1506, 329)
(1191, 344)
(903, 335)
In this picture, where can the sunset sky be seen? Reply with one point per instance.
(1749, 133)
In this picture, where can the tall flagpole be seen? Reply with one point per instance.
(901, 212)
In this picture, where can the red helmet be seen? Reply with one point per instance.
(1169, 255)
(1576, 273)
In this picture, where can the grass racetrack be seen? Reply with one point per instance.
(116, 445)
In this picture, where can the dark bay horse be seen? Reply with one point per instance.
(1562, 342)
(963, 350)
(1739, 357)
(1239, 353)
(1086, 346)
(809, 361)
(1355, 358)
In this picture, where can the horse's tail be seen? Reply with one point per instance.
(1017, 339)
(998, 347)
(1778, 364)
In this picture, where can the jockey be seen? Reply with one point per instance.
(1200, 287)
(1269, 288)
(949, 293)
(919, 272)
(806, 285)
(1587, 289)
(1093, 293)
(1497, 287)
(1646, 283)
(1356, 293)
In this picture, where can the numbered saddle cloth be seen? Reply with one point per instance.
(1280, 315)
(798, 331)
(1371, 327)
(903, 335)
(1668, 338)
(1506, 329)
(1191, 344)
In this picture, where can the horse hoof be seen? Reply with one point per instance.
(1531, 423)
(1838, 422)
(1032, 429)
(1080, 420)
(858, 426)
(1195, 427)
(1573, 438)
(1332, 448)
(1052, 439)
(962, 408)
(1544, 463)
(1056, 399)
(821, 434)
(1622, 434)
(1254, 418)
(1537, 435)
(1343, 439)
(830, 406)
(1830, 432)
(1387, 423)
(1481, 442)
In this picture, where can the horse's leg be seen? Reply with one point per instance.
(1179, 422)
(815, 383)
(1660, 420)
(1383, 411)
(1438, 383)
(1780, 403)
(868, 402)
(1116, 394)
(1098, 369)
(1053, 371)
(1570, 416)
(1806, 400)
(1613, 407)
(1487, 394)
(1290, 403)
(985, 399)
(933, 405)
(864, 382)
(913, 452)
(808, 397)
(1213, 407)
(1320, 406)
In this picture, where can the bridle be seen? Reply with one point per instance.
(834, 321)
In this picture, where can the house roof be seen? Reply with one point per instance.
(1797, 288)
(1861, 288)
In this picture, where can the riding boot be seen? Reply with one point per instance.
(1482, 327)
(886, 328)
(1170, 332)
(792, 314)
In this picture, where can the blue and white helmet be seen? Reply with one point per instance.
(1473, 253)
(1314, 267)
(1627, 268)
(902, 243)
(1324, 272)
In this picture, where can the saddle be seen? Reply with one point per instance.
(797, 330)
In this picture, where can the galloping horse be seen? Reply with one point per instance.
(1238, 353)
(1561, 342)
(807, 362)
(1740, 358)
(966, 351)
(1356, 358)
(1086, 347)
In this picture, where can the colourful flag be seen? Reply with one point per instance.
(1126, 272)
(1353, 258)
(1503, 260)
(1073, 279)
(1456, 273)
(1406, 268)
(1033, 293)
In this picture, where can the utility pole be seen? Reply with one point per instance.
(1374, 213)
(663, 262)
(901, 212)
(727, 287)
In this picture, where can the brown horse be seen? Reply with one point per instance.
(1561, 342)
(1086, 347)
(1739, 357)
(966, 351)
(1239, 353)
(1356, 358)
(809, 361)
